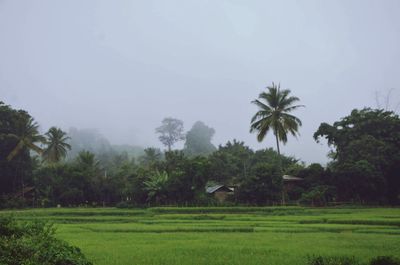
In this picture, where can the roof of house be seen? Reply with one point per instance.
(24, 191)
(213, 189)
(291, 178)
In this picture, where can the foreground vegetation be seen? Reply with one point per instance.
(33, 243)
(230, 235)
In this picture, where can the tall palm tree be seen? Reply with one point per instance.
(57, 146)
(275, 106)
(27, 136)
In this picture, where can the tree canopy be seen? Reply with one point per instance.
(198, 140)
(366, 154)
(171, 131)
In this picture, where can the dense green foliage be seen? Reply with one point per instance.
(364, 169)
(34, 243)
(225, 235)
(18, 134)
(366, 161)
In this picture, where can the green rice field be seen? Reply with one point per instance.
(223, 235)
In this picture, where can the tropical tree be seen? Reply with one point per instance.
(17, 130)
(198, 140)
(27, 136)
(366, 155)
(275, 106)
(87, 160)
(151, 157)
(171, 131)
(57, 146)
(87, 177)
(156, 186)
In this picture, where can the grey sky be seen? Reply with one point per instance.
(122, 66)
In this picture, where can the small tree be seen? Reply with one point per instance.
(156, 186)
(171, 131)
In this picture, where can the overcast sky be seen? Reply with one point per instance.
(122, 66)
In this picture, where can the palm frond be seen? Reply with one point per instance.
(16, 150)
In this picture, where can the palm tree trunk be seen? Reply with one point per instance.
(277, 145)
(280, 168)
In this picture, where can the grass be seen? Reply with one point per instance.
(230, 235)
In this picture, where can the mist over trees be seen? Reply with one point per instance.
(91, 140)
(198, 140)
(87, 139)
(82, 168)
(171, 131)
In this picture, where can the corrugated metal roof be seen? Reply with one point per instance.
(213, 189)
(291, 178)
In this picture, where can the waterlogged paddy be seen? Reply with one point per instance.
(234, 235)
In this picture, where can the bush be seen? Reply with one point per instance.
(384, 260)
(380, 260)
(33, 243)
(9, 202)
(321, 260)
(318, 196)
(124, 205)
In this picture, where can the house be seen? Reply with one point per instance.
(289, 182)
(220, 192)
(25, 193)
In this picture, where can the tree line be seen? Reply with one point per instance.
(36, 169)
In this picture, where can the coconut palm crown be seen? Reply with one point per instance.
(57, 146)
(275, 106)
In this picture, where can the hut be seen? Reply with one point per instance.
(289, 182)
(220, 192)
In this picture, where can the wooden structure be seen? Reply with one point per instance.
(220, 192)
(289, 182)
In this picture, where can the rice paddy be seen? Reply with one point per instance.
(224, 235)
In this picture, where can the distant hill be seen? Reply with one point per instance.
(91, 140)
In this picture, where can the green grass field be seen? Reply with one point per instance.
(232, 235)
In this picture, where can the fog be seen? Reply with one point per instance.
(123, 66)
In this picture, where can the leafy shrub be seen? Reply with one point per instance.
(9, 202)
(33, 243)
(318, 196)
(321, 260)
(380, 260)
(124, 205)
(384, 260)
